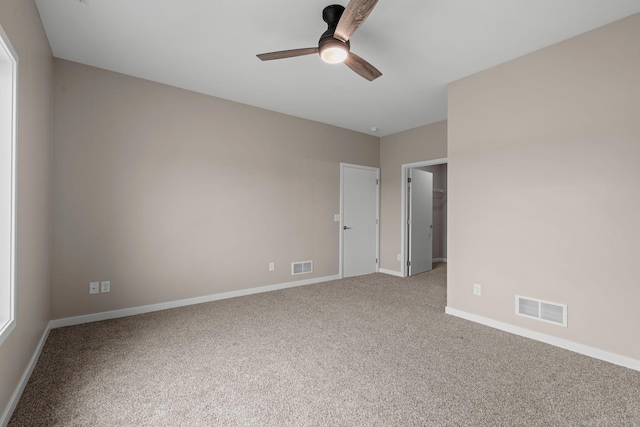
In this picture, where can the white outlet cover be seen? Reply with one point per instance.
(336, 217)
(105, 286)
(272, 266)
(93, 287)
(477, 289)
(399, 257)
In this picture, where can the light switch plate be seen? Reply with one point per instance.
(336, 217)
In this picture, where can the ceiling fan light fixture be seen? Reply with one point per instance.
(334, 52)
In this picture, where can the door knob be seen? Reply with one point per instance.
(346, 228)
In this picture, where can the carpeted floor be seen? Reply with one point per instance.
(374, 350)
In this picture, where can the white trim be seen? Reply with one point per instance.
(114, 314)
(15, 398)
(341, 224)
(9, 326)
(403, 206)
(340, 252)
(439, 260)
(391, 272)
(596, 353)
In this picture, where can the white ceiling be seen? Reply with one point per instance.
(420, 46)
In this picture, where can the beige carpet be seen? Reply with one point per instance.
(368, 351)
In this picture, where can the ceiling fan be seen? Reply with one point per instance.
(334, 46)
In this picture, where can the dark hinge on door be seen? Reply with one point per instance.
(409, 180)
(376, 260)
(408, 263)
(377, 181)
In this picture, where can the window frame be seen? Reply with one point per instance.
(8, 286)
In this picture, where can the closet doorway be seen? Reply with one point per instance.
(424, 215)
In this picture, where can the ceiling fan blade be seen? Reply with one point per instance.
(362, 67)
(353, 16)
(287, 53)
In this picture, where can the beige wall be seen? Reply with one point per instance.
(21, 22)
(414, 145)
(544, 180)
(171, 194)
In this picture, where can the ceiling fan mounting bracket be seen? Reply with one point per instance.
(332, 13)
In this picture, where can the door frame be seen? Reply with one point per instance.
(340, 231)
(404, 271)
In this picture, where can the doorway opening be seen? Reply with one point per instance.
(423, 237)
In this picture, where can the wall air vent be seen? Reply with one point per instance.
(302, 267)
(542, 310)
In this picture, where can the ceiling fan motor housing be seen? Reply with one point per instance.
(331, 15)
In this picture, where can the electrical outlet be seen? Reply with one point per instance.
(272, 266)
(399, 257)
(93, 287)
(105, 286)
(477, 289)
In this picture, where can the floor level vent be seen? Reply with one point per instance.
(542, 310)
(301, 267)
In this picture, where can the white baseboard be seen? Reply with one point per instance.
(399, 274)
(15, 398)
(596, 353)
(391, 272)
(95, 317)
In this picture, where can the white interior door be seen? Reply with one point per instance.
(420, 223)
(359, 220)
